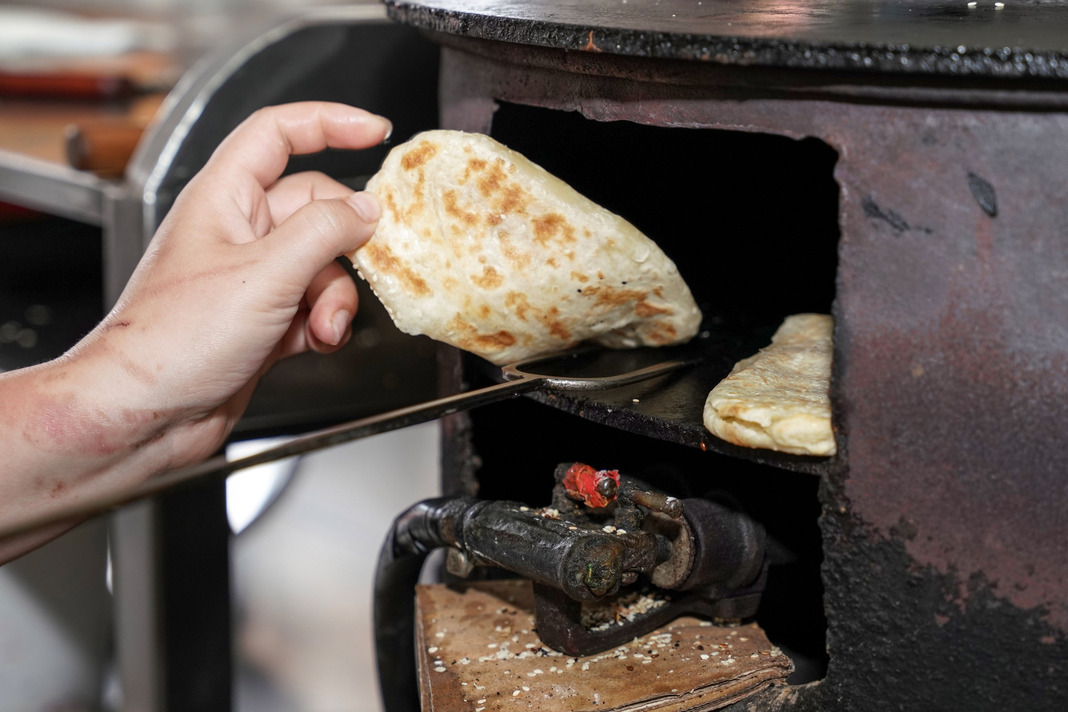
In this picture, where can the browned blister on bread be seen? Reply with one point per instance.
(480, 248)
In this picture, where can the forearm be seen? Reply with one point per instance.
(69, 430)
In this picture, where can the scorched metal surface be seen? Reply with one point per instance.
(945, 512)
(1015, 39)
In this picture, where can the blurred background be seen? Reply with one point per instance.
(307, 532)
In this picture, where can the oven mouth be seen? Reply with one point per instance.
(751, 221)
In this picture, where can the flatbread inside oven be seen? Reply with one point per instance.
(779, 399)
(480, 248)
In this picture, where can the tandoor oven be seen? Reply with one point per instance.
(898, 165)
(912, 189)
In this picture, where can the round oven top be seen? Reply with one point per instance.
(1007, 39)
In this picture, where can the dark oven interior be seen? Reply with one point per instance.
(751, 220)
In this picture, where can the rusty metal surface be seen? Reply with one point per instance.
(1021, 39)
(956, 332)
(478, 648)
(946, 562)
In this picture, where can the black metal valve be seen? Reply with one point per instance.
(603, 533)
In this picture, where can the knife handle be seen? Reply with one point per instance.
(103, 147)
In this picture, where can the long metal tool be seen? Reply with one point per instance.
(588, 370)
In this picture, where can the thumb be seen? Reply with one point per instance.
(320, 231)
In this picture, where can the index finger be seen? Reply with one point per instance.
(262, 144)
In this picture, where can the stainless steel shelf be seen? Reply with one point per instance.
(52, 188)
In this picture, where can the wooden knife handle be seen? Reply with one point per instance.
(103, 147)
(66, 85)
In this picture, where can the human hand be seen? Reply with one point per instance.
(240, 274)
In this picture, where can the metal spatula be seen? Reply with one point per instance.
(587, 370)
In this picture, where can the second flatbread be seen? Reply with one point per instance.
(779, 399)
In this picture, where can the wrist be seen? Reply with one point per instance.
(82, 419)
(60, 448)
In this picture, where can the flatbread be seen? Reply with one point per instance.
(779, 399)
(480, 248)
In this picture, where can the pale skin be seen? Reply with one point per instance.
(240, 274)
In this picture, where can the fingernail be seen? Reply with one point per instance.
(366, 206)
(340, 323)
(389, 129)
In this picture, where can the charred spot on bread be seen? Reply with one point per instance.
(418, 156)
(383, 259)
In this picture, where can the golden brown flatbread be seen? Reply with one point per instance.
(480, 248)
(779, 399)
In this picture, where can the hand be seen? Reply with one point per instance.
(240, 274)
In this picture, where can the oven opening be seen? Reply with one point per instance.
(751, 220)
